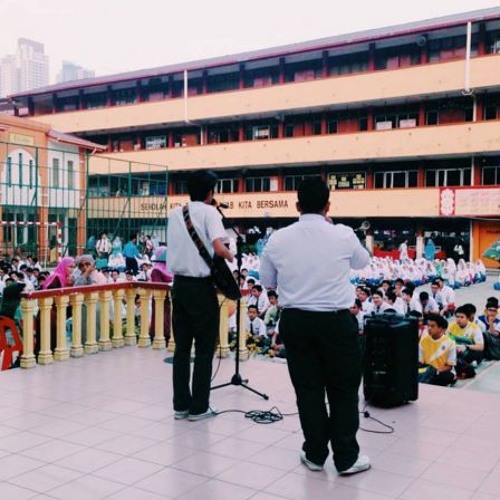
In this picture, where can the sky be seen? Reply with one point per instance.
(113, 36)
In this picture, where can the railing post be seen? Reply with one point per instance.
(104, 342)
(243, 333)
(159, 305)
(61, 352)
(45, 354)
(144, 338)
(118, 340)
(130, 337)
(171, 340)
(91, 346)
(76, 350)
(223, 327)
(28, 358)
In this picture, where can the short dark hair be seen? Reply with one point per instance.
(379, 293)
(253, 307)
(200, 183)
(424, 296)
(461, 310)
(391, 295)
(400, 281)
(470, 308)
(272, 293)
(408, 291)
(491, 302)
(257, 287)
(440, 321)
(313, 195)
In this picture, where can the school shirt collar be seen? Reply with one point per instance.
(312, 218)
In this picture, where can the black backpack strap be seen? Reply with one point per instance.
(196, 238)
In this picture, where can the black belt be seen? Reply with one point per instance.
(179, 277)
(334, 311)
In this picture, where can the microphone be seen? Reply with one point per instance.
(219, 204)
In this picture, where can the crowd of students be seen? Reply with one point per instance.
(453, 340)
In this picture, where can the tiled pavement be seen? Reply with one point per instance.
(102, 427)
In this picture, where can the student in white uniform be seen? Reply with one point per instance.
(194, 297)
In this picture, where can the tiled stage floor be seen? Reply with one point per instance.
(102, 427)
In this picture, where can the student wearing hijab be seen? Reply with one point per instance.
(161, 274)
(61, 277)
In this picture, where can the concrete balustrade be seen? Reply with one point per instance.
(99, 315)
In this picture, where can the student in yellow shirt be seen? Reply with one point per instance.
(437, 354)
(470, 343)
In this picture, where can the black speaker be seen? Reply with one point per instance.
(391, 360)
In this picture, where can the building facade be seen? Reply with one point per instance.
(26, 70)
(403, 123)
(43, 183)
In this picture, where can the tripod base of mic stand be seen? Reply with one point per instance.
(237, 380)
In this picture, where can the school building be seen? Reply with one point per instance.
(402, 122)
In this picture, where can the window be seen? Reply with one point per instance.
(332, 126)
(71, 174)
(95, 101)
(347, 180)
(451, 48)
(124, 96)
(156, 142)
(9, 171)
(396, 120)
(257, 184)
(227, 186)
(262, 132)
(291, 182)
(490, 112)
(180, 187)
(448, 177)
(55, 172)
(352, 63)
(432, 117)
(396, 179)
(491, 175)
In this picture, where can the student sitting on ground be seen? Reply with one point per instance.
(437, 354)
(256, 330)
(470, 343)
(489, 322)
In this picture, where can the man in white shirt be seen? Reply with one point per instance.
(259, 299)
(310, 263)
(448, 297)
(194, 298)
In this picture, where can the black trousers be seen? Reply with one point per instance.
(131, 264)
(195, 318)
(324, 357)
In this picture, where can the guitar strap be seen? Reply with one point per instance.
(196, 238)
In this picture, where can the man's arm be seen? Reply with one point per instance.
(268, 273)
(221, 250)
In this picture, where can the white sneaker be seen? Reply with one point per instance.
(211, 412)
(179, 415)
(361, 464)
(310, 465)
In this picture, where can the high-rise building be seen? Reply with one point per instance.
(28, 69)
(70, 72)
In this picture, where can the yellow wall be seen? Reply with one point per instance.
(357, 89)
(457, 139)
(395, 203)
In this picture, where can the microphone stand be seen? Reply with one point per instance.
(236, 379)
